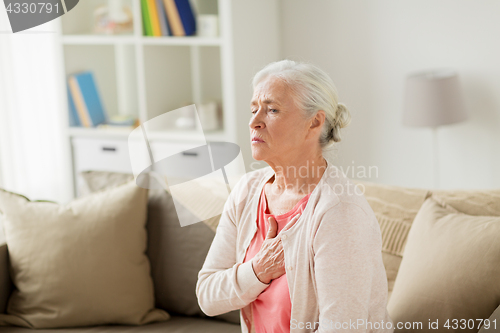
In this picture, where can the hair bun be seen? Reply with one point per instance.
(343, 116)
(342, 119)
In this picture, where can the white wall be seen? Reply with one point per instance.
(368, 47)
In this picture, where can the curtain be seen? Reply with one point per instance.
(34, 151)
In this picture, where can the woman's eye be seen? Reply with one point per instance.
(253, 111)
(273, 110)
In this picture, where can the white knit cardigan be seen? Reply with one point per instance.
(333, 259)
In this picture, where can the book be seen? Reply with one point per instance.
(153, 16)
(86, 97)
(79, 102)
(162, 15)
(74, 120)
(148, 31)
(174, 18)
(187, 16)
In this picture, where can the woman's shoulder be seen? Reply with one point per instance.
(341, 205)
(339, 192)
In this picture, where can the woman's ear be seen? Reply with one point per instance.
(318, 120)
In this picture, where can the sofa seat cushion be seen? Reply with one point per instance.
(176, 324)
(449, 269)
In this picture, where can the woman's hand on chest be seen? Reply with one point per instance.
(269, 262)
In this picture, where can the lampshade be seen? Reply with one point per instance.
(433, 99)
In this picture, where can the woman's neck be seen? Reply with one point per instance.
(299, 177)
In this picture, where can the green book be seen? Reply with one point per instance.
(146, 20)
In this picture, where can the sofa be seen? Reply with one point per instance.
(408, 218)
(441, 256)
(175, 253)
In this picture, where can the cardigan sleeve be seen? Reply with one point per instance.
(346, 248)
(224, 284)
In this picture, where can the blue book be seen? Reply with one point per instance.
(74, 120)
(91, 98)
(187, 16)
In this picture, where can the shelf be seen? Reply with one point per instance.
(97, 39)
(155, 135)
(205, 41)
(129, 39)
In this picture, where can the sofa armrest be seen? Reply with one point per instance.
(5, 282)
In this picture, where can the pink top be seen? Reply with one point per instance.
(272, 309)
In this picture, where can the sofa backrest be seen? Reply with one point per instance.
(396, 208)
(176, 253)
(471, 202)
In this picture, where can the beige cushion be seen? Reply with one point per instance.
(449, 269)
(472, 202)
(176, 253)
(395, 208)
(81, 264)
(393, 201)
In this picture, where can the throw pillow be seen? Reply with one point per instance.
(471, 202)
(449, 269)
(395, 208)
(81, 264)
(176, 253)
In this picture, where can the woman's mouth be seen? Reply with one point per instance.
(257, 140)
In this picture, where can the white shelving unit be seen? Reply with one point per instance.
(148, 76)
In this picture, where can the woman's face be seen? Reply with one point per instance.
(278, 123)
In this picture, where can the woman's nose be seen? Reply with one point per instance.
(256, 120)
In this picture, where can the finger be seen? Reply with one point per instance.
(273, 228)
(291, 223)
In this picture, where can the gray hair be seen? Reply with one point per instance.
(313, 90)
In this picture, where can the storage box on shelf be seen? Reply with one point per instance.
(144, 76)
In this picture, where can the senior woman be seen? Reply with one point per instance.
(298, 248)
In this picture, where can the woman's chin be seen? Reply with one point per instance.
(257, 155)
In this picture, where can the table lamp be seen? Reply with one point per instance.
(432, 99)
